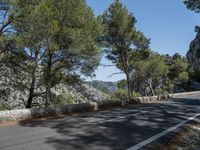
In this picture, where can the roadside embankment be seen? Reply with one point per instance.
(185, 138)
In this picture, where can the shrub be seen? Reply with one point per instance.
(121, 94)
(160, 91)
(136, 94)
(2, 107)
(64, 99)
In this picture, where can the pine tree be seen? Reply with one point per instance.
(58, 38)
(193, 5)
(122, 39)
(152, 71)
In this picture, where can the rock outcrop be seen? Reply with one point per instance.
(193, 54)
(15, 98)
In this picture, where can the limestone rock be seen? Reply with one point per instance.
(193, 54)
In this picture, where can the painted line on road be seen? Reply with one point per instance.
(159, 135)
(119, 118)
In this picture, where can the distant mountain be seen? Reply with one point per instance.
(106, 87)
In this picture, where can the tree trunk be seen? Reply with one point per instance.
(128, 87)
(48, 95)
(48, 82)
(32, 87)
(124, 61)
(31, 92)
(151, 88)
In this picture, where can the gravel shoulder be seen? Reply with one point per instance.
(184, 138)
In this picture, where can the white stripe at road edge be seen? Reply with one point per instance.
(159, 135)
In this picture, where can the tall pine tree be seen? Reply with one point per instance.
(59, 37)
(122, 39)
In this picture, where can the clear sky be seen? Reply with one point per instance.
(168, 23)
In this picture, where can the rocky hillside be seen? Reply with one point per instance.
(14, 97)
(194, 51)
(106, 87)
(81, 93)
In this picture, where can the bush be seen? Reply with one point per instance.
(64, 99)
(2, 107)
(136, 94)
(109, 104)
(183, 77)
(120, 94)
(160, 91)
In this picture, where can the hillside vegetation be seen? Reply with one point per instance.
(48, 48)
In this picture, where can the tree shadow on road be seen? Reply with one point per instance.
(96, 131)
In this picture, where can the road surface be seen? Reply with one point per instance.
(117, 129)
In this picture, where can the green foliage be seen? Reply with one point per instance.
(136, 94)
(193, 5)
(6, 29)
(154, 68)
(120, 94)
(183, 77)
(160, 91)
(168, 86)
(2, 107)
(123, 42)
(122, 84)
(194, 74)
(64, 99)
(153, 71)
(59, 27)
(60, 36)
(178, 69)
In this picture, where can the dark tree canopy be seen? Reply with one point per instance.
(193, 5)
(56, 38)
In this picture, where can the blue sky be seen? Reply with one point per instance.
(168, 23)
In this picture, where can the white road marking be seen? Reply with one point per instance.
(159, 135)
(118, 118)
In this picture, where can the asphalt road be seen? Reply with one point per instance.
(116, 129)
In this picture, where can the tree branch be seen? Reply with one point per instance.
(115, 74)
